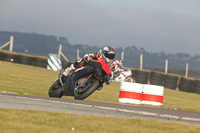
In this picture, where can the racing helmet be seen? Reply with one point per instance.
(108, 53)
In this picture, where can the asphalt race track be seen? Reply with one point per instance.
(13, 101)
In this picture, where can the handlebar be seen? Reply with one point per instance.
(60, 77)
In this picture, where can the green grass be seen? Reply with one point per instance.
(28, 121)
(24, 79)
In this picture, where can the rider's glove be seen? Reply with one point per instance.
(107, 79)
(108, 82)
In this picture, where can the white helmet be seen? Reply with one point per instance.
(108, 53)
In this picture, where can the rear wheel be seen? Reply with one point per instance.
(55, 90)
(80, 96)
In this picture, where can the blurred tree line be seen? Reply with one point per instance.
(40, 44)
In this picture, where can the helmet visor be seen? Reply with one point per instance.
(110, 55)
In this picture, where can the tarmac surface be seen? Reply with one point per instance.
(13, 101)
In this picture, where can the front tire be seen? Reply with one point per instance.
(55, 90)
(129, 79)
(88, 92)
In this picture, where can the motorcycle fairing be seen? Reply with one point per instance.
(104, 66)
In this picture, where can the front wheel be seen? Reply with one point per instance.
(129, 79)
(55, 90)
(80, 96)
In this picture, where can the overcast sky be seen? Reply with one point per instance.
(157, 25)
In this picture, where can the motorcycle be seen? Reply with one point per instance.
(94, 74)
(122, 75)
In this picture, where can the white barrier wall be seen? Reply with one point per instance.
(130, 93)
(152, 95)
(141, 93)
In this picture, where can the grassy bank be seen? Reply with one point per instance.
(27, 121)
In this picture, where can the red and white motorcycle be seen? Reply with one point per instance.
(120, 73)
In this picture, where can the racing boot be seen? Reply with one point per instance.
(67, 70)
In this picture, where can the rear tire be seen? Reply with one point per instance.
(88, 92)
(55, 90)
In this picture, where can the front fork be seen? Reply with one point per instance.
(61, 82)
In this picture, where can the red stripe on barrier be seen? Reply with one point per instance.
(132, 95)
(154, 98)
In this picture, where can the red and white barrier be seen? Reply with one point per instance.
(141, 93)
(130, 93)
(152, 95)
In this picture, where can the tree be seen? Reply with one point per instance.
(131, 49)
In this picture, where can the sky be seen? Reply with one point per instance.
(170, 26)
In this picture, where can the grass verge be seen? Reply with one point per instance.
(28, 121)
